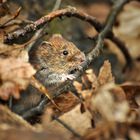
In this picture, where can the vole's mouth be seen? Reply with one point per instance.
(78, 67)
(74, 70)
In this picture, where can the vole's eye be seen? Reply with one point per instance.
(65, 52)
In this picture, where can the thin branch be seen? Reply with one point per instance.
(122, 47)
(13, 37)
(107, 29)
(12, 18)
(35, 83)
(66, 126)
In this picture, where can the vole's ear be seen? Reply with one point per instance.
(55, 38)
(46, 45)
(57, 35)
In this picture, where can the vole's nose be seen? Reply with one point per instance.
(81, 58)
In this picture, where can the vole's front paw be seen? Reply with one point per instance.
(67, 77)
(71, 77)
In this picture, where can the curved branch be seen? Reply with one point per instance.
(13, 37)
(107, 30)
(122, 47)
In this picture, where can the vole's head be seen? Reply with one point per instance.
(58, 55)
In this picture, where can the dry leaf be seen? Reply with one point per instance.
(114, 131)
(10, 120)
(89, 84)
(92, 78)
(15, 76)
(132, 91)
(133, 73)
(92, 83)
(54, 126)
(112, 107)
(105, 74)
(66, 102)
(80, 122)
(76, 120)
(78, 86)
(86, 93)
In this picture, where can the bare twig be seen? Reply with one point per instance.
(66, 126)
(12, 38)
(12, 18)
(43, 90)
(122, 47)
(107, 29)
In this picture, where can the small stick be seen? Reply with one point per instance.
(12, 18)
(34, 82)
(69, 12)
(66, 126)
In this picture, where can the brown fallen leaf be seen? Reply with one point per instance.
(104, 99)
(92, 78)
(91, 83)
(111, 107)
(132, 92)
(105, 74)
(9, 120)
(78, 121)
(88, 86)
(66, 102)
(13, 127)
(133, 73)
(113, 131)
(74, 119)
(54, 126)
(15, 75)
